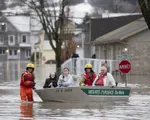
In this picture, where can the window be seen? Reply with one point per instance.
(3, 26)
(15, 52)
(24, 39)
(11, 40)
(3, 51)
(1, 39)
(10, 52)
(28, 52)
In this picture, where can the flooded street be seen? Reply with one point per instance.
(137, 108)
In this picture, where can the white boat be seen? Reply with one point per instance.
(84, 94)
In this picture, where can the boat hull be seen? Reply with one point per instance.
(84, 94)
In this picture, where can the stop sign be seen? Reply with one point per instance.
(124, 66)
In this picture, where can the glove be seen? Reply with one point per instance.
(82, 84)
(50, 84)
(32, 83)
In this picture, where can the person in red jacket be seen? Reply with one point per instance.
(88, 77)
(27, 83)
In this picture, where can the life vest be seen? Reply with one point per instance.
(100, 80)
(89, 80)
(26, 79)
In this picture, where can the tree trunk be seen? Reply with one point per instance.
(58, 59)
(145, 8)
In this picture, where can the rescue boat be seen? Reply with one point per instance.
(84, 94)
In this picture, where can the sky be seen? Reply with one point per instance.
(77, 11)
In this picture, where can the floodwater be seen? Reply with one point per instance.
(137, 108)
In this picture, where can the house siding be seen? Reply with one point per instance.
(138, 46)
(11, 30)
(22, 55)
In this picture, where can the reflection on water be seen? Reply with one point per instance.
(137, 108)
(26, 110)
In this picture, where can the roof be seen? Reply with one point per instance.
(123, 32)
(107, 15)
(23, 24)
(103, 26)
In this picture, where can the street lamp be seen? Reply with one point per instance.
(7, 51)
(3, 23)
(18, 51)
(125, 49)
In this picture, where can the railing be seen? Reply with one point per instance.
(76, 65)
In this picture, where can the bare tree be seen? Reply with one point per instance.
(145, 8)
(51, 15)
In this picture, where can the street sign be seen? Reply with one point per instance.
(124, 66)
(125, 56)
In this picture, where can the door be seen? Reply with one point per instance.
(13, 54)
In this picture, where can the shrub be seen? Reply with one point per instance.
(50, 62)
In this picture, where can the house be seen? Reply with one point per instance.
(44, 47)
(96, 27)
(100, 26)
(68, 46)
(17, 37)
(133, 39)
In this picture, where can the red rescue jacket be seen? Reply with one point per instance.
(26, 79)
(89, 80)
(100, 80)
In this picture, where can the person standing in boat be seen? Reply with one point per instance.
(27, 83)
(65, 80)
(104, 78)
(88, 77)
(51, 81)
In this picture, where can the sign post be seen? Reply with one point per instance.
(125, 67)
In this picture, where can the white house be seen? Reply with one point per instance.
(18, 34)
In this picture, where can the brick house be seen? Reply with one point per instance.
(134, 38)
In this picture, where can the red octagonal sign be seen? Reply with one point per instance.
(124, 66)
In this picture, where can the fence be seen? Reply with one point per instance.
(76, 66)
(137, 74)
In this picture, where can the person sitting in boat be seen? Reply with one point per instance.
(88, 77)
(51, 81)
(65, 80)
(104, 78)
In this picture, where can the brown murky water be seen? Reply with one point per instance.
(137, 108)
